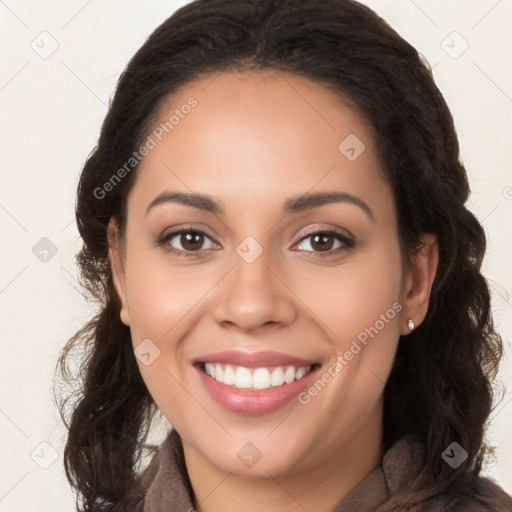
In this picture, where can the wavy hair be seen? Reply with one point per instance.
(440, 389)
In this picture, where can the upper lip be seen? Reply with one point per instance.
(254, 359)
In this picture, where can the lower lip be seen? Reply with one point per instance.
(254, 403)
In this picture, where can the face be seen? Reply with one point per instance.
(265, 323)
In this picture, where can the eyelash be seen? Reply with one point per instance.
(348, 243)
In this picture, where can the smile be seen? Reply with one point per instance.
(254, 383)
(255, 378)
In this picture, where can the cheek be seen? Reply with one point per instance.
(353, 299)
(160, 296)
(161, 303)
(361, 312)
(165, 303)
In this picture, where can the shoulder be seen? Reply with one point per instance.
(164, 484)
(134, 500)
(409, 486)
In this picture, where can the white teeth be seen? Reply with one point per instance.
(229, 375)
(243, 378)
(209, 368)
(289, 375)
(261, 379)
(256, 379)
(301, 372)
(218, 373)
(277, 377)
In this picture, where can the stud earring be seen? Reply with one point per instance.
(410, 324)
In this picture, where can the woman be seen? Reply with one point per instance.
(275, 231)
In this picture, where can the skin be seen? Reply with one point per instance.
(253, 141)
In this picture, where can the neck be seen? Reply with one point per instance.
(320, 487)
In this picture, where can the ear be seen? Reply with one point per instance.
(418, 282)
(117, 265)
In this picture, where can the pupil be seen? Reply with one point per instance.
(189, 240)
(323, 238)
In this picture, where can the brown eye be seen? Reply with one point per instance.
(324, 241)
(189, 242)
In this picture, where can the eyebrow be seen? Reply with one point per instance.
(295, 204)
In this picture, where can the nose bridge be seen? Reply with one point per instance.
(252, 294)
(253, 280)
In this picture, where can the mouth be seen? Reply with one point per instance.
(254, 383)
(255, 379)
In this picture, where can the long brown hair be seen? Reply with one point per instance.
(440, 388)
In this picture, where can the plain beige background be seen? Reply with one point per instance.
(60, 63)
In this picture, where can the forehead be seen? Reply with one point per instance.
(255, 136)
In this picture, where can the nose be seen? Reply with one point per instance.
(254, 294)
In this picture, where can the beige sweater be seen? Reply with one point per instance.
(397, 484)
